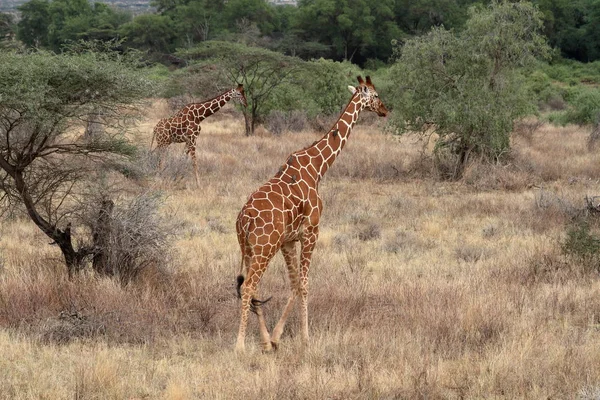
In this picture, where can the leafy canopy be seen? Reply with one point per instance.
(260, 70)
(44, 164)
(467, 86)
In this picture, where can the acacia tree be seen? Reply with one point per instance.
(467, 87)
(44, 164)
(261, 71)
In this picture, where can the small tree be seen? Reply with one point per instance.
(44, 163)
(258, 69)
(466, 87)
(7, 30)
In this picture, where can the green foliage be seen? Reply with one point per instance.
(547, 93)
(149, 32)
(7, 29)
(203, 79)
(540, 85)
(583, 245)
(257, 12)
(572, 72)
(44, 83)
(467, 86)
(43, 165)
(319, 87)
(418, 17)
(33, 26)
(353, 29)
(584, 108)
(159, 73)
(52, 24)
(573, 27)
(196, 21)
(260, 71)
(358, 30)
(325, 83)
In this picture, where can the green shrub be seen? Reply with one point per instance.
(583, 246)
(547, 94)
(573, 72)
(584, 107)
(319, 88)
(468, 86)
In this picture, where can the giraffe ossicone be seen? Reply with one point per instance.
(286, 210)
(184, 127)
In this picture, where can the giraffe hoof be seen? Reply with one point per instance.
(268, 347)
(274, 346)
(240, 348)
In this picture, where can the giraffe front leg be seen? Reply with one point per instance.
(309, 239)
(161, 150)
(291, 261)
(191, 150)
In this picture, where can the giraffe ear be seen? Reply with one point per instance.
(352, 89)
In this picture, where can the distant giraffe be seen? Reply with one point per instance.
(184, 127)
(286, 210)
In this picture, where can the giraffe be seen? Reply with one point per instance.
(184, 127)
(286, 210)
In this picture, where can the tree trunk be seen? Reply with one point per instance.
(461, 164)
(101, 239)
(247, 125)
(73, 258)
(93, 126)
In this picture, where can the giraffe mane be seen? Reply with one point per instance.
(330, 129)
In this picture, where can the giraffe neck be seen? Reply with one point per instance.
(203, 110)
(324, 151)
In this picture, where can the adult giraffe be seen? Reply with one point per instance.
(286, 210)
(184, 127)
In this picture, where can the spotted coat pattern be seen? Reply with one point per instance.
(184, 127)
(286, 210)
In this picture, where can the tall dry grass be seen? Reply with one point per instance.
(418, 288)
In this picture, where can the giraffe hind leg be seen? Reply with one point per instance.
(291, 261)
(248, 292)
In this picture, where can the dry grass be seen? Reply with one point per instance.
(418, 288)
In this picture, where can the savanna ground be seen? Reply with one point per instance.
(419, 288)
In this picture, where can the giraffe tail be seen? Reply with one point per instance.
(240, 282)
(242, 227)
(254, 303)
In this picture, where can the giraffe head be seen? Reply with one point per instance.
(239, 95)
(369, 96)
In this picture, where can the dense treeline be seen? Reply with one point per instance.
(360, 31)
(469, 69)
